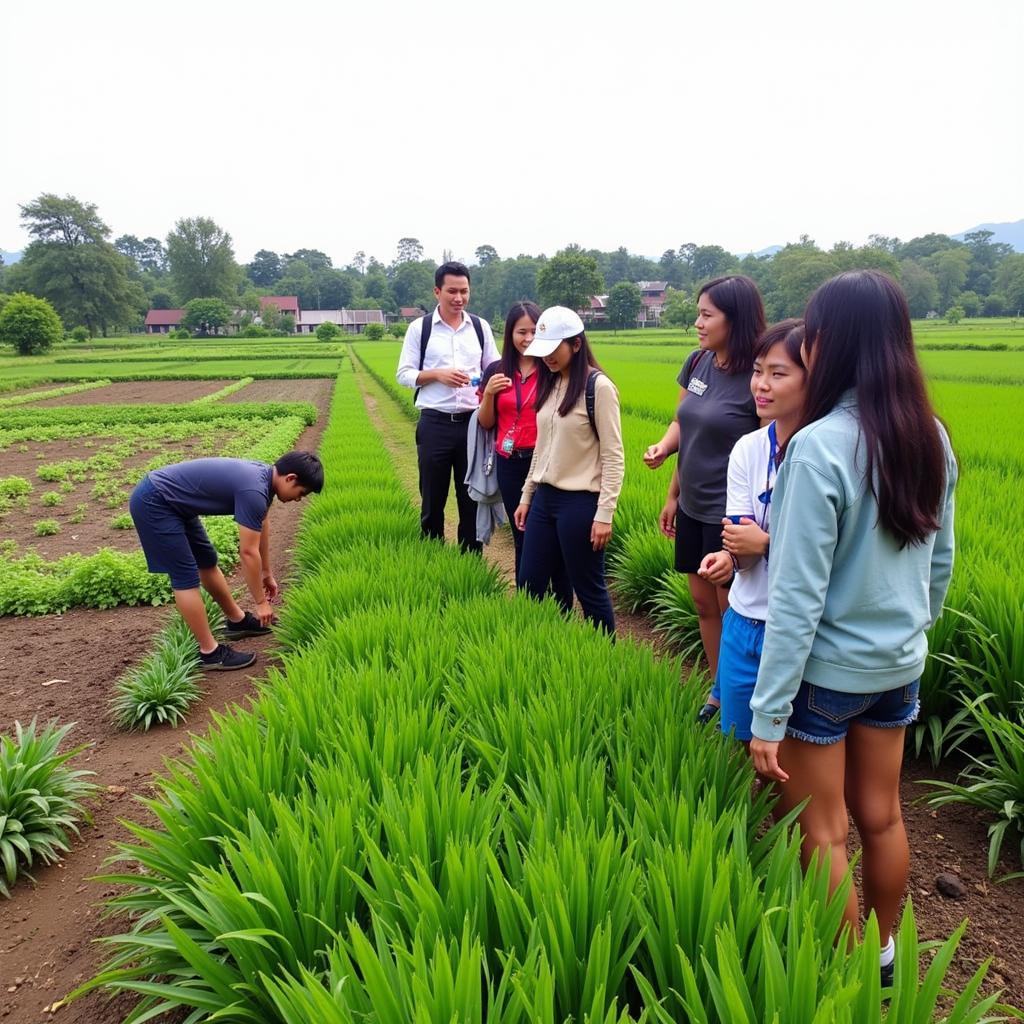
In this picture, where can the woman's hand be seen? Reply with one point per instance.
(716, 568)
(667, 519)
(744, 539)
(765, 755)
(270, 586)
(656, 455)
(497, 383)
(520, 517)
(600, 534)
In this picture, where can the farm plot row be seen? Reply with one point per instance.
(68, 473)
(423, 818)
(972, 692)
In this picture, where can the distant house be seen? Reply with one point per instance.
(652, 295)
(163, 321)
(284, 303)
(597, 313)
(352, 321)
(410, 313)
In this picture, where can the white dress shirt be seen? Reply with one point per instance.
(447, 348)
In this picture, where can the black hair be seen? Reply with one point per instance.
(858, 330)
(453, 268)
(509, 352)
(583, 362)
(788, 332)
(738, 298)
(308, 470)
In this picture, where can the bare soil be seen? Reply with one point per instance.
(143, 392)
(314, 389)
(65, 666)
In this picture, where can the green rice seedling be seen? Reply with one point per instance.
(41, 798)
(46, 527)
(122, 522)
(638, 568)
(675, 616)
(52, 499)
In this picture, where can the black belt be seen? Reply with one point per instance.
(446, 417)
(521, 453)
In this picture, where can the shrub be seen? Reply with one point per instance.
(51, 499)
(955, 314)
(41, 799)
(47, 527)
(14, 487)
(180, 333)
(398, 330)
(253, 331)
(30, 324)
(327, 332)
(80, 333)
(373, 332)
(122, 522)
(286, 324)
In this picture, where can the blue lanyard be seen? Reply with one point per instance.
(766, 496)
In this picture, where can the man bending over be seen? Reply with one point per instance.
(166, 506)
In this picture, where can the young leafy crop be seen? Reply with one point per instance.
(38, 396)
(463, 807)
(41, 799)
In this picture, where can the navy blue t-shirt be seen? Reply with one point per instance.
(217, 487)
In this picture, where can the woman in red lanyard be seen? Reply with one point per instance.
(508, 399)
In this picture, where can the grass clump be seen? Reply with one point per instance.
(41, 799)
(47, 527)
(122, 521)
(51, 499)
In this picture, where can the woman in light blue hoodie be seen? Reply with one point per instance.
(861, 557)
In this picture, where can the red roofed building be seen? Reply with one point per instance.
(410, 313)
(284, 303)
(163, 321)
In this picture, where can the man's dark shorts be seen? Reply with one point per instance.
(173, 544)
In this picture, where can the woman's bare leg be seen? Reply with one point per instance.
(707, 600)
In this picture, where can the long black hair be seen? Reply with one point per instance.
(509, 352)
(583, 362)
(738, 298)
(858, 335)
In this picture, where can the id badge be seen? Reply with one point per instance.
(508, 443)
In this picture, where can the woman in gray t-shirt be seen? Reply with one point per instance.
(715, 410)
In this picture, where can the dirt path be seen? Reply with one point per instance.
(949, 839)
(64, 666)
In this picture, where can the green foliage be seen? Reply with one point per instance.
(327, 332)
(41, 799)
(46, 527)
(286, 324)
(206, 316)
(569, 279)
(228, 389)
(80, 333)
(397, 330)
(164, 685)
(955, 314)
(39, 396)
(253, 331)
(123, 521)
(14, 487)
(52, 499)
(30, 324)
(201, 260)
(180, 334)
(679, 311)
(624, 304)
(373, 332)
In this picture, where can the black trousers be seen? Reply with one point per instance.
(558, 528)
(511, 475)
(440, 452)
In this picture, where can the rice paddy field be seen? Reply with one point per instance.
(443, 802)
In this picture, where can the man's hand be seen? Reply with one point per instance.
(497, 383)
(264, 613)
(270, 586)
(452, 378)
(765, 755)
(716, 568)
(667, 519)
(600, 534)
(655, 455)
(520, 517)
(744, 538)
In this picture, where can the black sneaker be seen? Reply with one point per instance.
(707, 713)
(888, 972)
(226, 659)
(247, 625)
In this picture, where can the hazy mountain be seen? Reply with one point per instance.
(10, 257)
(1011, 232)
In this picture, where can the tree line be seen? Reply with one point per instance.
(106, 284)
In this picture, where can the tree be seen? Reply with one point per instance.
(624, 304)
(410, 250)
(950, 269)
(969, 302)
(201, 259)
(486, 254)
(327, 332)
(679, 311)
(1010, 282)
(413, 284)
(954, 314)
(30, 324)
(313, 258)
(569, 278)
(206, 316)
(920, 287)
(161, 300)
(71, 263)
(148, 254)
(799, 269)
(265, 270)
(993, 305)
(270, 316)
(711, 261)
(617, 268)
(358, 263)
(286, 323)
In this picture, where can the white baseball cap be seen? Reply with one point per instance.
(555, 325)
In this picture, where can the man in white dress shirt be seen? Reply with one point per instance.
(445, 373)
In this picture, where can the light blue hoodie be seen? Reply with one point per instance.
(847, 608)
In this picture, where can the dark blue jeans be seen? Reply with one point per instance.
(558, 529)
(511, 475)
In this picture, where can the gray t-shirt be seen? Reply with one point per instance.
(217, 487)
(717, 411)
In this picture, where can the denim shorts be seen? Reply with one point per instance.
(739, 657)
(172, 543)
(824, 716)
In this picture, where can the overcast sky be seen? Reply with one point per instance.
(524, 125)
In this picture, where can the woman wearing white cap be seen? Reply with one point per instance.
(575, 476)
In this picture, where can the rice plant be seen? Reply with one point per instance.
(41, 798)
